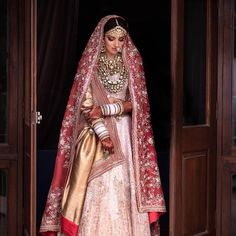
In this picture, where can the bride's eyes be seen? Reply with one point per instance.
(111, 38)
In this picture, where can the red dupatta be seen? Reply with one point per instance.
(148, 185)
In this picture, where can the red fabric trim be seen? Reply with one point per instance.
(68, 227)
(49, 233)
(153, 217)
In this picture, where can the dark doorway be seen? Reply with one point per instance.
(149, 26)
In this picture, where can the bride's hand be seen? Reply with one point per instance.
(94, 113)
(127, 106)
(108, 145)
(113, 100)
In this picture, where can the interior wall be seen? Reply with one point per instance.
(57, 27)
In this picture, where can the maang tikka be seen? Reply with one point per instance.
(118, 30)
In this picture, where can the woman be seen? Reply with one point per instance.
(106, 179)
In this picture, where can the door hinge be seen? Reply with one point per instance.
(36, 117)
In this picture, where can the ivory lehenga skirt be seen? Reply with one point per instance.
(110, 206)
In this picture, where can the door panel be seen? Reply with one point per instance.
(195, 137)
(194, 192)
(193, 147)
(8, 198)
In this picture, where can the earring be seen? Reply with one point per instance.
(103, 49)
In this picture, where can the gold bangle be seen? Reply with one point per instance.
(120, 103)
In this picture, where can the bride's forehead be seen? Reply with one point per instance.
(115, 35)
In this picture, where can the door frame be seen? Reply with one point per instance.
(226, 152)
(176, 114)
(30, 116)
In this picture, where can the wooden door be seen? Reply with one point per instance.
(30, 119)
(193, 141)
(10, 118)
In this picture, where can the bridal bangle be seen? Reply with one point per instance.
(100, 129)
(112, 109)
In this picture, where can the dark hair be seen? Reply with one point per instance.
(111, 23)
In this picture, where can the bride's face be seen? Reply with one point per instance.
(113, 44)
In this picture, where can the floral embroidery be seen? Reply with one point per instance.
(52, 212)
(149, 190)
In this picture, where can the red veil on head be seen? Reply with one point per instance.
(148, 185)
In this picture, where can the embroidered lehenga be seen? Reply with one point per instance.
(122, 194)
(110, 206)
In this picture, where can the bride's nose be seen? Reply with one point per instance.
(117, 43)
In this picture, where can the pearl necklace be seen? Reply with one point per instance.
(108, 68)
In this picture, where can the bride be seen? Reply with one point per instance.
(106, 178)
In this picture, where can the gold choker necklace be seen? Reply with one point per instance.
(107, 68)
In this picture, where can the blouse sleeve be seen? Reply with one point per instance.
(88, 101)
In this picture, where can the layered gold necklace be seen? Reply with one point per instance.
(108, 68)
